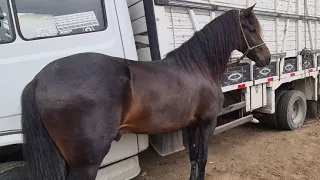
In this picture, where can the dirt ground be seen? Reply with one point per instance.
(248, 152)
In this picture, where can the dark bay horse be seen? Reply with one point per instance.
(77, 105)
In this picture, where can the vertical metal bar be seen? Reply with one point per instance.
(277, 34)
(152, 29)
(298, 29)
(286, 29)
(316, 25)
(309, 24)
(193, 19)
(212, 15)
(173, 29)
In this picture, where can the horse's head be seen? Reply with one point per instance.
(252, 44)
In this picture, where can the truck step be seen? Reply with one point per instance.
(232, 107)
(233, 124)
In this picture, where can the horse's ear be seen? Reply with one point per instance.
(247, 11)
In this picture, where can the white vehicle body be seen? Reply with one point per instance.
(157, 27)
(21, 59)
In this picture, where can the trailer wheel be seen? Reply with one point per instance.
(291, 110)
(271, 119)
(12, 171)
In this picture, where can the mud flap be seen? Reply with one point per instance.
(169, 143)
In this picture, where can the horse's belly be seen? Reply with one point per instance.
(154, 125)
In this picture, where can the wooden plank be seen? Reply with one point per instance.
(144, 54)
(233, 124)
(136, 11)
(139, 26)
(132, 2)
(141, 39)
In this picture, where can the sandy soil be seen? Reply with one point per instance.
(249, 152)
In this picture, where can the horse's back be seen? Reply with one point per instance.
(82, 82)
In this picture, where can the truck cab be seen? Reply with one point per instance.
(35, 32)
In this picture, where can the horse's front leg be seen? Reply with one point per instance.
(193, 137)
(206, 128)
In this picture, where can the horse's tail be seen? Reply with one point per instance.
(43, 159)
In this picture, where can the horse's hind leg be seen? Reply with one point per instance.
(84, 162)
(84, 139)
(193, 137)
(85, 158)
(86, 167)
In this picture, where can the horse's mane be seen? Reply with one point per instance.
(210, 48)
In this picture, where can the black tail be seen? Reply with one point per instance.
(43, 159)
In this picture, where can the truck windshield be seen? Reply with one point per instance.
(49, 18)
(6, 31)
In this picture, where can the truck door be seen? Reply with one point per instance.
(36, 32)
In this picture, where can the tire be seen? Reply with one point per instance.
(291, 110)
(12, 171)
(270, 120)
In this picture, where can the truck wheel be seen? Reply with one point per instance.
(12, 171)
(271, 119)
(291, 110)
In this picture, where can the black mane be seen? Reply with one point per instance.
(210, 48)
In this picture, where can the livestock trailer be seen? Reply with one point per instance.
(290, 30)
(34, 33)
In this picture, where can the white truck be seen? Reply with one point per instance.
(36, 32)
